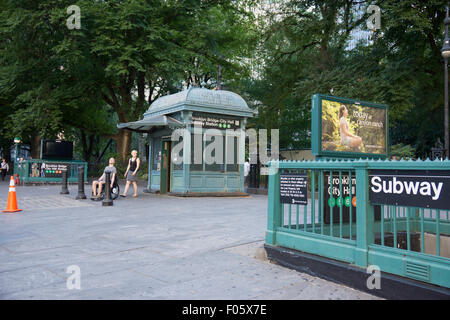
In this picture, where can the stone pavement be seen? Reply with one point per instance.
(151, 247)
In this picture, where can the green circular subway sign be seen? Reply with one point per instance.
(347, 202)
(331, 202)
(339, 201)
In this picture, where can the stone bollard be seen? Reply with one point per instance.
(64, 189)
(107, 201)
(81, 194)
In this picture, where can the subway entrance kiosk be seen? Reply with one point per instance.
(197, 111)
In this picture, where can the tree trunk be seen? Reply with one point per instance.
(35, 146)
(123, 140)
(87, 147)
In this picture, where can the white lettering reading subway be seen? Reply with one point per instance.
(395, 186)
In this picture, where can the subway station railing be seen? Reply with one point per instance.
(37, 171)
(407, 241)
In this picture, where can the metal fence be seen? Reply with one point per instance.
(34, 171)
(407, 241)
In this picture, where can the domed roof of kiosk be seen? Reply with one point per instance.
(203, 100)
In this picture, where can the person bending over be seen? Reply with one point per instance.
(101, 181)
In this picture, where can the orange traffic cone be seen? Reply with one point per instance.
(11, 206)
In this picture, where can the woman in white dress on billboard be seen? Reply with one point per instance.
(347, 139)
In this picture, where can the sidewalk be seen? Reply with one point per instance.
(151, 247)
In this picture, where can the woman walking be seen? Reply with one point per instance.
(131, 173)
(4, 168)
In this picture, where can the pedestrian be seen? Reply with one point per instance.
(102, 180)
(4, 167)
(246, 171)
(131, 173)
(34, 169)
(43, 170)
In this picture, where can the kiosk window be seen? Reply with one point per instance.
(156, 154)
(232, 155)
(196, 160)
(227, 162)
(217, 155)
(178, 158)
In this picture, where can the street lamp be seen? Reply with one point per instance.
(16, 154)
(446, 54)
(16, 141)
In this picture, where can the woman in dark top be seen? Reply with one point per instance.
(131, 173)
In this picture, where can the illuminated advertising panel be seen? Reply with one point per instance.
(349, 128)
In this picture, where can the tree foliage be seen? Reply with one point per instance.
(308, 48)
(276, 53)
(126, 54)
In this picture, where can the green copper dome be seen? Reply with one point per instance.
(201, 99)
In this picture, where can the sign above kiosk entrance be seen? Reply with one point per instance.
(344, 128)
(215, 121)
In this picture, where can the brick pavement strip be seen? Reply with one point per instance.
(152, 247)
(46, 202)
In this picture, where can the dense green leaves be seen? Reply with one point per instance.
(274, 53)
(307, 49)
(126, 54)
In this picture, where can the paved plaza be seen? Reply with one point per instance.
(151, 247)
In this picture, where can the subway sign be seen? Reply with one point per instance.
(214, 121)
(334, 202)
(55, 170)
(412, 188)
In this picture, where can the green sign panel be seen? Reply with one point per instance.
(55, 170)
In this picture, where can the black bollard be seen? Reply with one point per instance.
(64, 189)
(107, 201)
(81, 194)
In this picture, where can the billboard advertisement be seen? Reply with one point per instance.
(349, 128)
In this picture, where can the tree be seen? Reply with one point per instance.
(306, 50)
(126, 55)
(137, 47)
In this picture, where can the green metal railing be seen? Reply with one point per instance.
(29, 171)
(406, 241)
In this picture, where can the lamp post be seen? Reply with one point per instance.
(16, 154)
(446, 54)
(16, 150)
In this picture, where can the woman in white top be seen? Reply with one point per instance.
(4, 168)
(347, 139)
